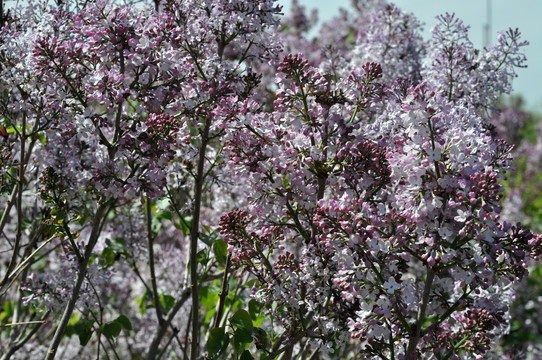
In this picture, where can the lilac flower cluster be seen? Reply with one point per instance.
(374, 212)
(106, 107)
(521, 204)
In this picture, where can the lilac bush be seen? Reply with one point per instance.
(179, 181)
(511, 122)
(375, 212)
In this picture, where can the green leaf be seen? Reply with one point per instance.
(26, 224)
(185, 229)
(118, 245)
(125, 322)
(262, 341)
(164, 215)
(243, 327)
(111, 330)
(210, 315)
(83, 217)
(161, 216)
(246, 356)
(167, 302)
(254, 309)
(74, 319)
(209, 239)
(83, 329)
(156, 225)
(58, 214)
(249, 284)
(143, 302)
(108, 256)
(218, 342)
(429, 320)
(42, 138)
(85, 336)
(209, 296)
(70, 329)
(241, 320)
(221, 251)
(163, 203)
(201, 256)
(8, 310)
(242, 336)
(12, 129)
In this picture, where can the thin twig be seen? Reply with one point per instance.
(19, 344)
(153, 349)
(82, 270)
(150, 242)
(24, 323)
(421, 314)
(194, 237)
(223, 293)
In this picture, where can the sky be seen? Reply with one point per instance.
(522, 14)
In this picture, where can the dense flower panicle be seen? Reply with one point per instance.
(107, 102)
(245, 244)
(467, 75)
(382, 217)
(365, 158)
(155, 138)
(51, 290)
(152, 70)
(392, 39)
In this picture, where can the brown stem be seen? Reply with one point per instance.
(118, 117)
(23, 265)
(421, 315)
(175, 331)
(194, 236)
(150, 239)
(287, 354)
(275, 351)
(82, 271)
(17, 313)
(19, 201)
(448, 312)
(153, 349)
(13, 195)
(223, 293)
